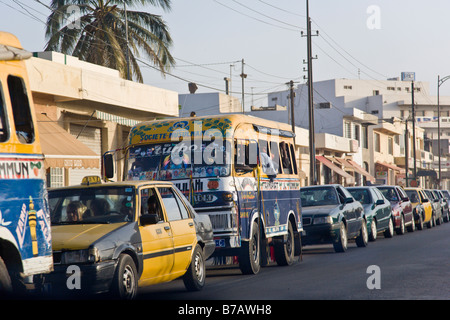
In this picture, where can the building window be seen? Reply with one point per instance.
(55, 177)
(347, 129)
(348, 87)
(377, 142)
(357, 135)
(390, 145)
(365, 137)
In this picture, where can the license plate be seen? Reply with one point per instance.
(220, 243)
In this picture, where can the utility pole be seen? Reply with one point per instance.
(406, 153)
(312, 145)
(243, 76)
(440, 82)
(291, 96)
(414, 129)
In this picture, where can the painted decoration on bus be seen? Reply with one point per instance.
(168, 130)
(24, 213)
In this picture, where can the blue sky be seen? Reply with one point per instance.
(211, 37)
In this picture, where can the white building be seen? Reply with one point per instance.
(389, 100)
(84, 110)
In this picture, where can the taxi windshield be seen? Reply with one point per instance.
(412, 195)
(92, 205)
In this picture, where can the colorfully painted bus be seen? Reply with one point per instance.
(25, 237)
(238, 169)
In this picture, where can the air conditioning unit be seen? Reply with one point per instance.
(324, 105)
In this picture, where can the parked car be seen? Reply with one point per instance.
(331, 215)
(422, 207)
(437, 208)
(444, 204)
(127, 234)
(401, 208)
(377, 211)
(446, 194)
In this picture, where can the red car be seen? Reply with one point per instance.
(402, 210)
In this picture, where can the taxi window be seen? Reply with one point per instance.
(3, 122)
(171, 204)
(23, 120)
(150, 203)
(183, 210)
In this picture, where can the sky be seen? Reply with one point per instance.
(374, 39)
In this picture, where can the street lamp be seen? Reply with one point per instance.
(440, 82)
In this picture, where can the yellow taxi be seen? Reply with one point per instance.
(115, 237)
(422, 207)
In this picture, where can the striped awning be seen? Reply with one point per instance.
(61, 149)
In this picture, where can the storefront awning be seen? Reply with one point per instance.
(348, 178)
(343, 163)
(353, 166)
(390, 166)
(361, 170)
(61, 149)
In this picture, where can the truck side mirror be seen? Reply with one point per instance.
(108, 165)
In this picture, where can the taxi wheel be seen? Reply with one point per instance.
(125, 281)
(194, 278)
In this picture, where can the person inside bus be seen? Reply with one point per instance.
(75, 210)
(285, 157)
(267, 163)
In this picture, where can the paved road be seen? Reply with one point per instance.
(412, 266)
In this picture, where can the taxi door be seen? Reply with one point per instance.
(182, 227)
(157, 243)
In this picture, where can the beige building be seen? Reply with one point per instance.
(84, 110)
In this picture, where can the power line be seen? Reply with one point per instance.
(262, 21)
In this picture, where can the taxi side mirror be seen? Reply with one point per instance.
(147, 219)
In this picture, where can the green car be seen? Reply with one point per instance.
(377, 210)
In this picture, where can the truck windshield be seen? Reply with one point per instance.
(92, 205)
(171, 161)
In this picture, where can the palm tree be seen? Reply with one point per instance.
(97, 33)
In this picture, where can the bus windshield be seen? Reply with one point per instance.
(178, 160)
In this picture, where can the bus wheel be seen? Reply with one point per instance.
(284, 248)
(5, 280)
(249, 258)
